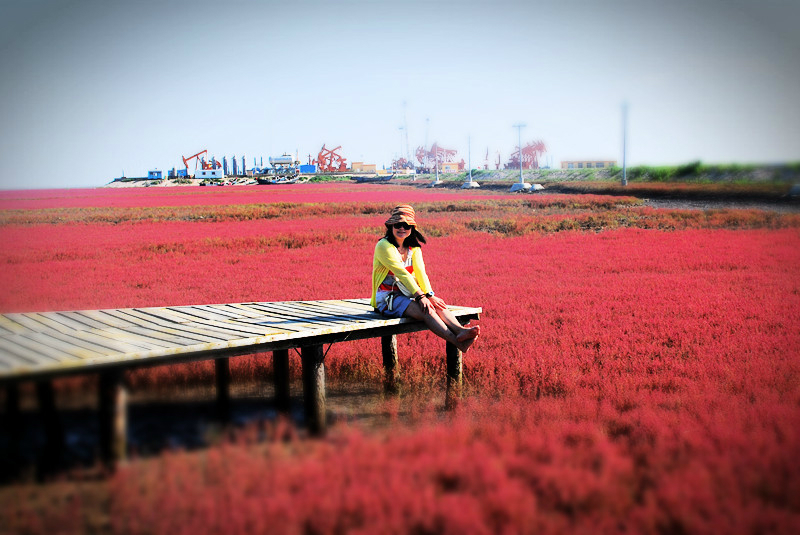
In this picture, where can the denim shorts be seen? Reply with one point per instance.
(399, 306)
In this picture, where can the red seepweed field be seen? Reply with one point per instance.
(638, 369)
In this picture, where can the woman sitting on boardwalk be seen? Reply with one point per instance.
(400, 287)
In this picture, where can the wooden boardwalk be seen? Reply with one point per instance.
(44, 345)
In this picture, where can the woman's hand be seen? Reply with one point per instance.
(437, 302)
(426, 305)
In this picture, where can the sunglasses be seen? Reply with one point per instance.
(404, 226)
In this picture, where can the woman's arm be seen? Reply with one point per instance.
(419, 271)
(422, 277)
(389, 257)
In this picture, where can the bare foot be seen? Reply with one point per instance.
(465, 345)
(468, 333)
(467, 337)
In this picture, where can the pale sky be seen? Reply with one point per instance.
(92, 88)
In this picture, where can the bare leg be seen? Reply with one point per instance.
(440, 328)
(461, 332)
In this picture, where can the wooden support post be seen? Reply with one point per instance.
(280, 367)
(112, 408)
(391, 367)
(13, 424)
(53, 431)
(454, 361)
(314, 388)
(223, 376)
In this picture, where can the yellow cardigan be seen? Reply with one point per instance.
(387, 258)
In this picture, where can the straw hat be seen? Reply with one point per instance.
(403, 213)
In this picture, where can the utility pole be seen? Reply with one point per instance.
(436, 182)
(405, 129)
(401, 143)
(427, 128)
(521, 185)
(469, 184)
(624, 143)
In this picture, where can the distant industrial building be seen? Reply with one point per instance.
(449, 167)
(209, 173)
(154, 175)
(308, 169)
(361, 167)
(588, 164)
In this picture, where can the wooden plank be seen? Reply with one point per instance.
(191, 327)
(11, 326)
(188, 329)
(220, 309)
(97, 339)
(162, 334)
(303, 317)
(288, 319)
(322, 307)
(92, 319)
(182, 318)
(130, 335)
(349, 305)
(27, 324)
(168, 314)
(60, 334)
(268, 322)
(204, 312)
(334, 307)
(53, 339)
(292, 311)
(4, 329)
(43, 349)
(16, 355)
(240, 311)
(224, 332)
(246, 329)
(197, 320)
(79, 321)
(146, 328)
(345, 309)
(363, 302)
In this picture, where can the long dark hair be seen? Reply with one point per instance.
(415, 239)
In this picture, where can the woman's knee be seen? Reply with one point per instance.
(416, 311)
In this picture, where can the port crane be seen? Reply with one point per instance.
(437, 155)
(329, 161)
(530, 156)
(213, 164)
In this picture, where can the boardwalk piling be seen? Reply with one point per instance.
(113, 397)
(223, 375)
(53, 430)
(454, 360)
(390, 364)
(280, 367)
(314, 388)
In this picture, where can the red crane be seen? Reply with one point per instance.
(402, 163)
(187, 160)
(530, 156)
(439, 154)
(328, 161)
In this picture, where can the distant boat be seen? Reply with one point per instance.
(373, 178)
(278, 180)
